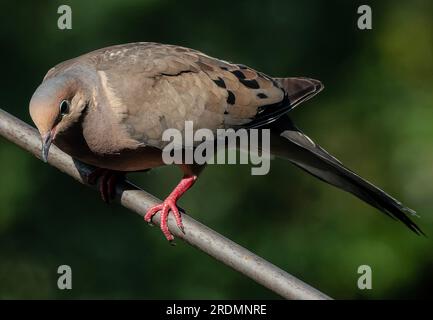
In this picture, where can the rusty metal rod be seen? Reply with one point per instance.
(196, 234)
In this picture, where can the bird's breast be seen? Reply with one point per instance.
(75, 143)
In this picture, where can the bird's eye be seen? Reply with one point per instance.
(64, 107)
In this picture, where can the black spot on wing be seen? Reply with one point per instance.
(226, 112)
(220, 83)
(262, 96)
(238, 74)
(252, 84)
(231, 99)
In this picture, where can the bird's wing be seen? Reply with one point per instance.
(152, 87)
(240, 86)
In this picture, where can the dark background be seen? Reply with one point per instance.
(375, 115)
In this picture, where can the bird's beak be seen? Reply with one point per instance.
(47, 139)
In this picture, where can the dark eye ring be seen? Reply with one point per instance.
(64, 107)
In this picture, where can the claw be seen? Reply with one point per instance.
(151, 212)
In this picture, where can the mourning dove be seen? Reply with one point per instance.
(110, 107)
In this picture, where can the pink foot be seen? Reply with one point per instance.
(170, 204)
(165, 207)
(108, 182)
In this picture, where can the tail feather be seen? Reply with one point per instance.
(299, 149)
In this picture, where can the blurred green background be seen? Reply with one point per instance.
(376, 115)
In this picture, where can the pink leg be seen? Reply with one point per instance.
(170, 204)
(108, 181)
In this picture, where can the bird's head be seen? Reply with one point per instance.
(56, 105)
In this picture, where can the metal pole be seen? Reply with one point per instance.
(196, 234)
